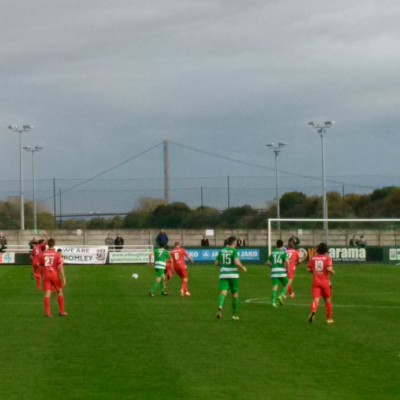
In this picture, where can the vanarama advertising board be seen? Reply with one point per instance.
(344, 254)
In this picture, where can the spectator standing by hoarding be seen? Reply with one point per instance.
(119, 242)
(205, 242)
(3, 243)
(362, 242)
(162, 239)
(240, 242)
(109, 241)
(353, 241)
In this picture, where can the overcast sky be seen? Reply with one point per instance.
(102, 81)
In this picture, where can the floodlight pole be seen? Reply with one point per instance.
(321, 129)
(277, 148)
(33, 150)
(25, 128)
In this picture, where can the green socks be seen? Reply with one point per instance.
(155, 286)
(273, 296)
(235, 305)
(221, 300)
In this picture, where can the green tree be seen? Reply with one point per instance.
(203, 217)
(237, 217)
(10, 213)
(169, 215)
(292, 203)
(45, 220)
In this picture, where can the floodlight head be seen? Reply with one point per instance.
(312, 123)
(27, 127)
(329, 123)
(38, 148)
(27, 148)
(13, 127)
(271, 145)
(280, 144)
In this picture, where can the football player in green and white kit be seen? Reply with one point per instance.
(161, 258)
(279, 263)
(229, 262)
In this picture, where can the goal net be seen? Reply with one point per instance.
(351, 237)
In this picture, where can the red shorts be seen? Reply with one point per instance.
(52, 284)
(324, 291)
(182, 272)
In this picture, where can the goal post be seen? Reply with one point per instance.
(390, 224)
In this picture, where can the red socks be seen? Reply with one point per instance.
(61, 304)
(328, 307)
(47, 306)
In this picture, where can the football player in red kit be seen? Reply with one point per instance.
(38, 247)
(320, 265)
(51, 266)
(178, 255)
(294, 261)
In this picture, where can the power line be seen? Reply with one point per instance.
(106, 171)
(262, 166)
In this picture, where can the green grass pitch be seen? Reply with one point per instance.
(119, 343)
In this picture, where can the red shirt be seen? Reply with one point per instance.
(319, 265)
(178, 257)
(50, 261)
(294, 258)
(37, 252)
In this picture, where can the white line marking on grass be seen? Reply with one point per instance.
(262, 300)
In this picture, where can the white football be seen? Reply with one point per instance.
(135, 276)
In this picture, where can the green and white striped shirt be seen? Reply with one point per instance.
(277, 260)
(161, 256)
(226, 259)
